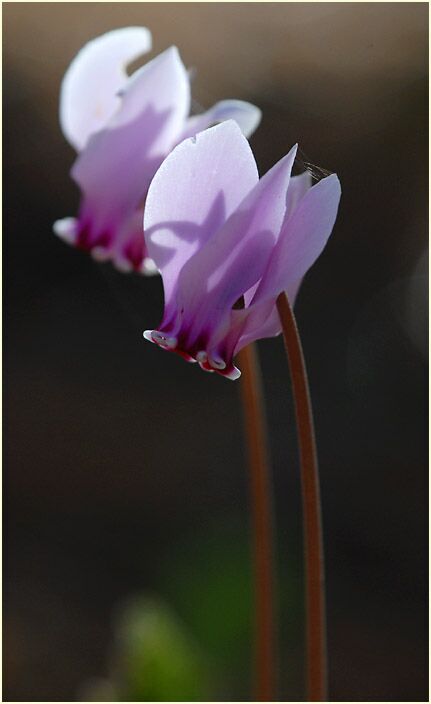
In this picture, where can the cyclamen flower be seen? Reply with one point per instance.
(123, 127)
(227, 244)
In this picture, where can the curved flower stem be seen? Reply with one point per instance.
(314, 564)
(262, 540)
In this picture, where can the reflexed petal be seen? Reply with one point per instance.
(261, 318)
(302, 239)
(246, 115)
(90, 86)
(236, 257)
(162, 84)
(197, 187)
(116, 167)
(298, 186)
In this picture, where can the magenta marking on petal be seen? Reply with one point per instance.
(208, 363)
(167, 343)
(181, 353)
(86, 239)
(83, 238)
(103, 240)
(229, 371)
(194, 353)
(205, 365)
(217, 359)
(135, 251)
(193, 349)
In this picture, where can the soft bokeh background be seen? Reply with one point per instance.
(124, 470)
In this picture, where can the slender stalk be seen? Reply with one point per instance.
(314, 563)
(262, 539)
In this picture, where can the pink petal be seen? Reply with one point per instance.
(197, 187)
(311, 231)
(298, 186)
(88, 96)
(116, 167)
(302, 239)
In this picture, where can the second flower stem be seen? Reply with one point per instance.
(314, 564)
(262, 524)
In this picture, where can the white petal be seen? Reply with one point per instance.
(89, 91)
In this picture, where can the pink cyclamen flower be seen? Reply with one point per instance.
(122, 128)
(227, 244)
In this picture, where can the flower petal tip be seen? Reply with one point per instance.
(333, 179)
(217, 363)
(148, 336)
(123, 265)
(149, 267)
(160, 339)
(254, 120)
(227, 127)
(246, 115)
(100, 254)
(233, 374)
(173, 51)
(66, 229)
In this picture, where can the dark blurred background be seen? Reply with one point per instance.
(124, 468)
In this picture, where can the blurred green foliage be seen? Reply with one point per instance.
(154, 659)
(158, 659)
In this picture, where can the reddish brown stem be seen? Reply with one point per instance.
(314, 564)
(261, 509)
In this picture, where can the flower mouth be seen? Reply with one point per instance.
(209, 362)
